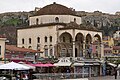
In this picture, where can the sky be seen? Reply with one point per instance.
(106, 6)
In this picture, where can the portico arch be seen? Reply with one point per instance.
(97, 44)
(65, 41)
(88, 40)
(98, 38)
(88, 44)
(79, 45)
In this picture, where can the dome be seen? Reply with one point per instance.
(55, 9)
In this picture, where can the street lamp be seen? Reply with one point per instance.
(5, 51)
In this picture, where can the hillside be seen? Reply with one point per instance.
(10, 21)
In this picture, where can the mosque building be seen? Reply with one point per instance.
(58, 32)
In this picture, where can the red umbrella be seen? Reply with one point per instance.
(49, 65)
(41, 65)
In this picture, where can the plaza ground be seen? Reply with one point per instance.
(93, 78)
(105, 78)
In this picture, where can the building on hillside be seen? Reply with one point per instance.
(18, 54)
(108, 51)
(58, 32)
(108, 41)
(116, 34)
(116, 37)
(117, 13)
(116, 50)
(117, 41)
(2, 46)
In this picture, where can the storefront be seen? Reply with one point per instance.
(86, 69)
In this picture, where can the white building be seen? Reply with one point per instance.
(116, 34)
(2, 47)
(58, 31)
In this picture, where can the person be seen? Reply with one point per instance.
(26, 77)
(17, 76)
(115, 73)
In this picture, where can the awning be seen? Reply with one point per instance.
(113, 65)
(96, 63)
(88, 64)
(78, 64)
(85, 64)
(43, 65)
(62, 64)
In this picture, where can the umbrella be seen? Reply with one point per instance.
(43, 65)
(30, 66)
(49, 65)
(14, 66)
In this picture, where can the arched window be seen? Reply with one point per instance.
(50, 38)
(38, 39)
(46, 50)
(29, 40)
(37, 21)
(23, 41)
(74, 19)
(56, 19)
(30, 47)
(51, 50)
(45, 39)
(63, 39)
(70, 39)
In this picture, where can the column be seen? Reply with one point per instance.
(74, 43)
(48, 51)
(53, 53)
(89, 71)
(84, 48)
(91, 49)
(100, 70)
(102, 49)
(74, 49)
(83, 72)
(57, 41)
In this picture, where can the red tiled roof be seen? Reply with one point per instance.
(107, 49)
(2, 36)
(55, 9)
(116, 47)
(18, 49)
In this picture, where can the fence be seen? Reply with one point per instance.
(59, 76)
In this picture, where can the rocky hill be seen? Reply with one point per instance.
(108, 23)
(10, 21)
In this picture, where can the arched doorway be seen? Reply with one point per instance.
(79, 45)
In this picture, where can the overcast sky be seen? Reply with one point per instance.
(106, 6)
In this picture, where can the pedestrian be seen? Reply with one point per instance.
(115, 73)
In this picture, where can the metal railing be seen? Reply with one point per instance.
(59, 76)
